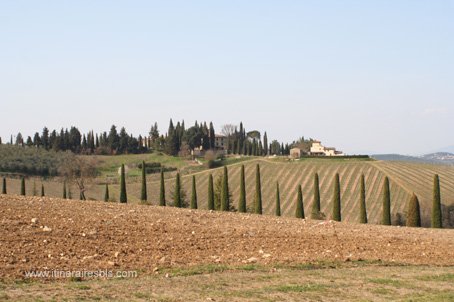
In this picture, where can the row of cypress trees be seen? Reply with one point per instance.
(413, 210)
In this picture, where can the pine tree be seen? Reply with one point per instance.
(278, 200)
(362, 202)
(242, 201)
(123, 195)
(225, 202)
(299, 213)
(177, 202)
(336, 199)
(436, 204)
(22, 187)
(413, 212)
(64, 189)
(210, 193)
(386, 218)
(193, 194)
(143, 195)
(315, 213)
(258, 191)
(162, 191)
(106, 193)
(4, 186)
(42, 190)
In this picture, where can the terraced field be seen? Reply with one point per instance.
(405, 178)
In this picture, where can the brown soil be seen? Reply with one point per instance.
(76, 235)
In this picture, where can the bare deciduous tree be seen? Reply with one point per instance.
(228, 129)
(80, 170)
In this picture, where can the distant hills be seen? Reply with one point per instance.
(433, 158)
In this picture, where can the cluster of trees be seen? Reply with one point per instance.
(178, 140)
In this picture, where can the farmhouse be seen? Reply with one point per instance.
(220, 141)
(317, 149)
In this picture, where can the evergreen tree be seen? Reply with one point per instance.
(143, 195)
(42, 190)
(315, 213)
(242, 201)
(362, 202)
(123, 195)
(4, 186)
(177, 201)
(413, 212)
(386, 218)
(278, 200)
(162, 191)
(336, 199)
(64, 189)
(193, 194)
(436, 204)
(210, 193)
(225, 198)
(22, 187)
(70, 194)
(299, 213)
(258, 191)
(106, 193)
(265, 144)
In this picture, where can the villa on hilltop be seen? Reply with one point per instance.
(317, 149)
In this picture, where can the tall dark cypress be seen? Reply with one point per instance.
(299, 213)
(258, 191)
(242, 201)
(265, 144)
(64, 190)
(210, 193)
(177, 202)
(436, 204)
(278, 200)
(413, 212)
(194, 194)
(22, 187)
(4, 186)
(106, 193)
(225, 198)
(123, 195)
(315, 213)
(386, 218)
(362, 201)
(42, 190)
(162, 191)
(143, 195)
(336, 215)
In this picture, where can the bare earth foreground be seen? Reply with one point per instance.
(182, 255)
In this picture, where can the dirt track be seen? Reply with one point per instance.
(76, 235)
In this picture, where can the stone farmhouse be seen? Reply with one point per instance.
(317, 149)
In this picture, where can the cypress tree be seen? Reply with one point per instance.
(336, 199)
(143, 195)
(42, 190)
(106, 193)
(258, 192)
(315, 213)
(299, 213)
(64, 189)
(81, 196)
(362, 202)
(177, 194)
(210, 193)
(193, 194)
(34, 193)
(386, 218)
(70, 194)
(162, 191)
(4, 186)
(278, 200)
(242, 201)
(225, 202)
(413, 212)
(22, 187)
(436, 204)
(123, 195)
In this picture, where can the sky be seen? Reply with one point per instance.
(362, 76)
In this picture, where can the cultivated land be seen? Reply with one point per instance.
(405, 178)
(182, 255)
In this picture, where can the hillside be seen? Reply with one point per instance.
(405, 178)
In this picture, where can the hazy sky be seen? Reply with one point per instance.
(364, 76)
